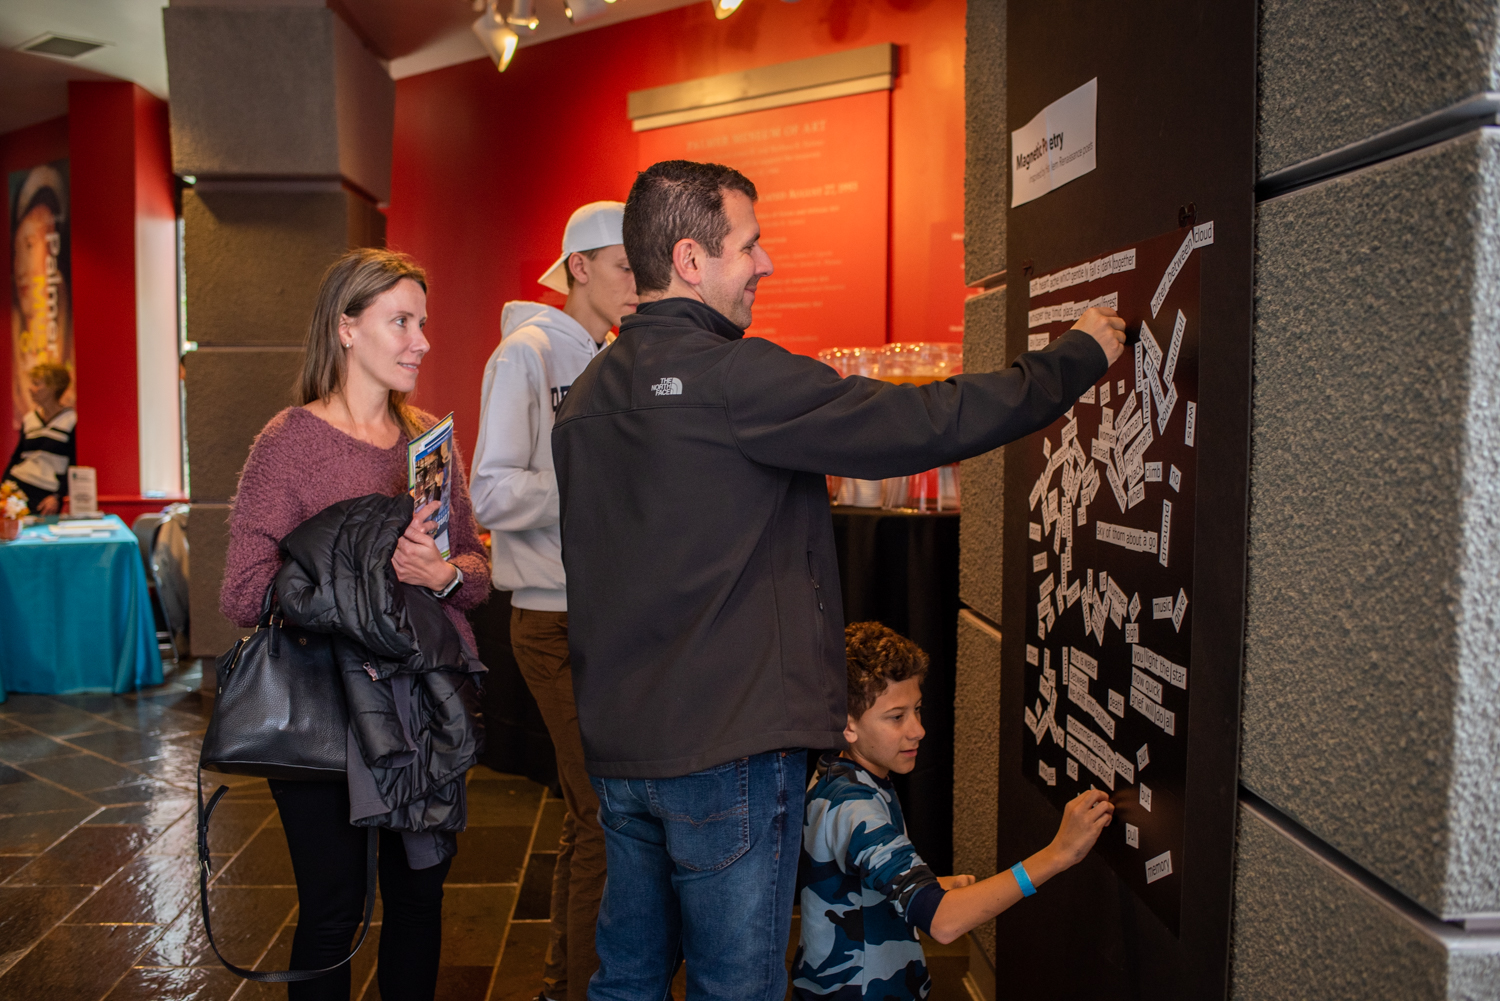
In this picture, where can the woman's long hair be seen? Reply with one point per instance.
(351, 284)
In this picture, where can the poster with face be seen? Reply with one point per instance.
(41, 314)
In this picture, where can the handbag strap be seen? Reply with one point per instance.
(205, 813)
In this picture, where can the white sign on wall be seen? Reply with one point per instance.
(1056, 146)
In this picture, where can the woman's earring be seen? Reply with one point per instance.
(346, 344)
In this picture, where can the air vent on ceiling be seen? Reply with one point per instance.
(61, 46)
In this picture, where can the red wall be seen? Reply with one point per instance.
(23, 148)
(101, 140)
(488, 166)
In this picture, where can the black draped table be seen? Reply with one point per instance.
(896, 567)
(901, 568)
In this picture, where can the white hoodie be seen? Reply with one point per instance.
(513, 486)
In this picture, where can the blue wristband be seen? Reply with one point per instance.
(1023, 880)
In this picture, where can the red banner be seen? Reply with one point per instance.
(823, 173)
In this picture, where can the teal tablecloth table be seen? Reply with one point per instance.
(75, 613)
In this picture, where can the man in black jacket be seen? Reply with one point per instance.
(707, 632)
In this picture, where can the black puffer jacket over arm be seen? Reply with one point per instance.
(409, 680)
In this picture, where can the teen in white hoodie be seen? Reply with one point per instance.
(514, 490)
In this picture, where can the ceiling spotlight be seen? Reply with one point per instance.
(723, 8)
(521, 15)
(496, 36)
(579, 11)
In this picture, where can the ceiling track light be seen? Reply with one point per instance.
(723, 8)
(497, 37)
(579, 11)
(522, 15)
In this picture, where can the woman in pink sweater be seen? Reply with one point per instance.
(348, 439)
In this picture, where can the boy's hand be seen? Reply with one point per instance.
(954, 882)
(1106, 327)
(1083, 819)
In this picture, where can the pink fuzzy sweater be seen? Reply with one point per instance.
(299, 465)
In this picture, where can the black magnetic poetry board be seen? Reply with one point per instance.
(1133, 142)
(1110, 553)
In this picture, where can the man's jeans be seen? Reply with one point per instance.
(701, 867)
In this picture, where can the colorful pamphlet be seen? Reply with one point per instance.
(429, 476)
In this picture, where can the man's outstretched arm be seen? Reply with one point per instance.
(795, 412)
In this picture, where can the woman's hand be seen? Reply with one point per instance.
(417, 560)
(48, 505)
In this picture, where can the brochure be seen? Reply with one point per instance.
(83, 490)
(429, 475)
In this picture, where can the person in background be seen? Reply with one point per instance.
(708, 630)
(542, 350)
(866, 890)
(46, 447)
(348, 438)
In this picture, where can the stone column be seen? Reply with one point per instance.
(1368, 854)
(976, 710)
(284, 121)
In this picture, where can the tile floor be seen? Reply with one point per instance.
(98, 887)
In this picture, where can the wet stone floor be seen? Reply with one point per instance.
(98, 884)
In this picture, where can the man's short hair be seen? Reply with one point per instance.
(677, 200)
(877, 657)
(568, 264)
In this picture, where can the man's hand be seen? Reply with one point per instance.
(417, 560)
(954, 882)
(47, 505)
(1106, 327)
(1083, 819)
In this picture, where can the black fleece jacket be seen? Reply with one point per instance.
(704, 610)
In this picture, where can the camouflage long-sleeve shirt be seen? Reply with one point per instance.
(865, 892)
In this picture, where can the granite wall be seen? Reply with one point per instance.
(977, 695)
(1370, 720)
(976, 756)
(1307, 926)
(986, 173)
(1375, 520)
(1368, 854)
(982, 478)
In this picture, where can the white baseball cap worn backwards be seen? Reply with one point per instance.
(597, 224)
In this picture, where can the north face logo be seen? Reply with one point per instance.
(668, 387)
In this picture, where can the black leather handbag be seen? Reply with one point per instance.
(279, 713)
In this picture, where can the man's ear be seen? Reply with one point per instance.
(578, 264)
(687, 260)
(850, 733)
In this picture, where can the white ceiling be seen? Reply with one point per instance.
(415, 36)
(34, 88)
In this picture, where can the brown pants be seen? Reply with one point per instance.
(540, 642)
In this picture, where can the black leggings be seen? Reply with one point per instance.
(328, 858)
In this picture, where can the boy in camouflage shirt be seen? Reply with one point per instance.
(865, 890)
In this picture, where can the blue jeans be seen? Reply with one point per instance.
(702, 867)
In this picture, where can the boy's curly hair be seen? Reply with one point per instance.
(878, 656)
